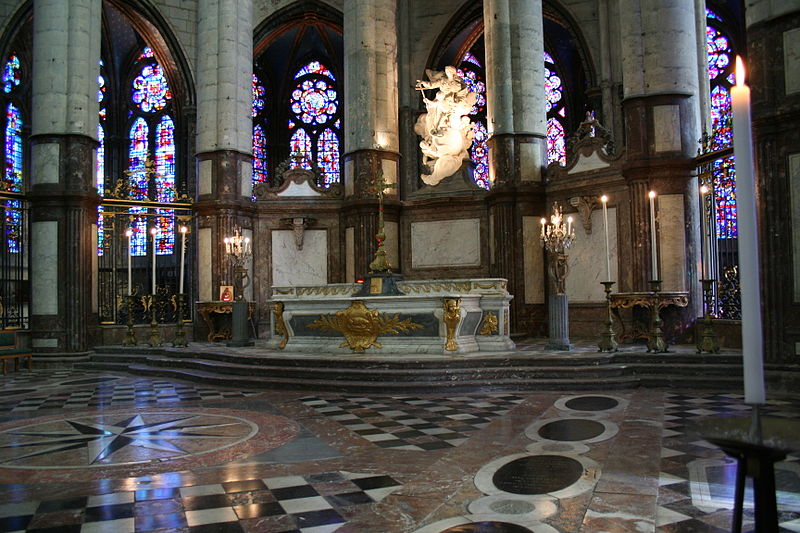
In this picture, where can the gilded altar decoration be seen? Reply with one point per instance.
(280, 325)
(361, 326)
(451, 317)
(489, 326)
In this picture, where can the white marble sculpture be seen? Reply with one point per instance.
(445, 129)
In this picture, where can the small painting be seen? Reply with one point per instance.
(226, 293)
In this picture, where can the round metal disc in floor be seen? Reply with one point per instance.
(487, 527)
(592, 403)
(571, 429)
(538, 474)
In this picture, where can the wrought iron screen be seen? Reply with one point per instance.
(14, 281)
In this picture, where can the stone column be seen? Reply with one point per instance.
(224, 138)
(662, 117)
(63, 198)
(370, 122)
(773, 52)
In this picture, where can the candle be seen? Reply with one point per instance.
(183, 254)
(604, 199)
(569, 226)
(129, 234)
(153, 232)
(653, 237)
(704, 247)
(544, 223)
(747, 224)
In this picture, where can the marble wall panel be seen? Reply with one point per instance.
(587, 259)
(204, 176)
(294, 266)
(533, 259)
(667, 128)
(586, 163)
(791, 60)
(350, 255)
(443, 243)
(246, 178)
(204, 288)
(672, 242)
(794, 191)
(44, 260)
(44, 163)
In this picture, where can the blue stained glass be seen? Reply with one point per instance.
(479, 152)
(477, 86)
(165, 160)
(147, 53)
(101, 236)
(11, 74)
(300, 145)
(13, 173)
(101, 88)
(150, 89)
(725, 197)
(556, 148)
(14, 226)
(314, 101)
(101, 160)
(165, 231)
(137, 181)
(258, 97)
(555, 108)
(710, 14)
(328, 156)
(472, 59)
(259, 156)
(315, 67)
(139, 230)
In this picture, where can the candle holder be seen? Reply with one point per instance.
(155, 336)
(239, 251)
(130, 336)
(707, 341)
(656, 342)
(180, 334)
(608, 341)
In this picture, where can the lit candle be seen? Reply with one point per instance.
(569, 226)
(747, 224)
(544, 223)
(153, 232)
(704, 248)
(183, 254)
(604, 199)
(653, 237)
(129, 234)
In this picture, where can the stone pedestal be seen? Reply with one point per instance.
(558, 320)
(240, 335)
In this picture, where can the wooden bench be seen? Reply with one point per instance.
(9, 350)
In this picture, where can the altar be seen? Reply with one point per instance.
(442, 317)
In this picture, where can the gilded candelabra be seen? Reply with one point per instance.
(379, 264)
(130, 335)
(707, 341)
(239, 252)
(656, 342)
(556, 238)
(149, 303)
(180, 334)
(608, 341)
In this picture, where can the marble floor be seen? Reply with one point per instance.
(99, 451)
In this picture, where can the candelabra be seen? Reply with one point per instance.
(608, 342)
(180, 335)
(556, 238)
(149, 303)
(707, 341)
(656, 342)
(239, 252)
(130, 335)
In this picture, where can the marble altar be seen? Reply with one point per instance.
(442, 317)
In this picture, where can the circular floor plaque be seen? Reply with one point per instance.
(592, 403)
(574, 429)
(487, 527)
(538, 474)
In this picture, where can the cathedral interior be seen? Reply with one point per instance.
(463, 266)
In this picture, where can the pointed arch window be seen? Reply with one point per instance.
(556, 112)
(314, 121)
(12, 177)
(258, 113)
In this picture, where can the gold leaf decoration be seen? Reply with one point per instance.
(361, 326)
(489, 326)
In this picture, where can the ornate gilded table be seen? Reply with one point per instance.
(214, 315)
(647, 300)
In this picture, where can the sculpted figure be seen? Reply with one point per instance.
(445, 129)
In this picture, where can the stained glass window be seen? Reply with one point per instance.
(101, 158)
(314, 105)
(556, 112)
(11, 74)
(165, 184)
(474, 77)
(13, 177)
(260, 173)
(720, 72)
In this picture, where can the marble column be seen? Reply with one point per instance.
(371, 139)
(661, 85)
(773, 63)
(63, 198)
(224, 138)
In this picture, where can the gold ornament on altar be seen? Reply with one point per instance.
(280, 325)
(451, 317)
(489, 326)
(361, 326)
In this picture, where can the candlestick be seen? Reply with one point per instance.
(153, 232)
(747, 224)
(604, 199)
(653, 236)
(183, 254)
(129, 234)
(704, 245)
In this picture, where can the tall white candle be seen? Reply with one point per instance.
(704, 245)
(183, 254)
(153, 232)
(653, 236)
(129, 234)
(604, 199)
(747, 223)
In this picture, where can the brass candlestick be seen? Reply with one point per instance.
(130, 336)
(656, 342)
(180, 335)
(707, 342)
(155, 337)
(380, 264)
(608, 341)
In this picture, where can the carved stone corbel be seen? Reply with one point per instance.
(585, 205)
(298, 226)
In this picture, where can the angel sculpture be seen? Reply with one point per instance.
(445, 129)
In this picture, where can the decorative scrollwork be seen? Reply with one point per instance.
(489, 326)
(730, 298)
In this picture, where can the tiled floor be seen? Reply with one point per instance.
(107, 452)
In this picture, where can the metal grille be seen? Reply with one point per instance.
(14, 259)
